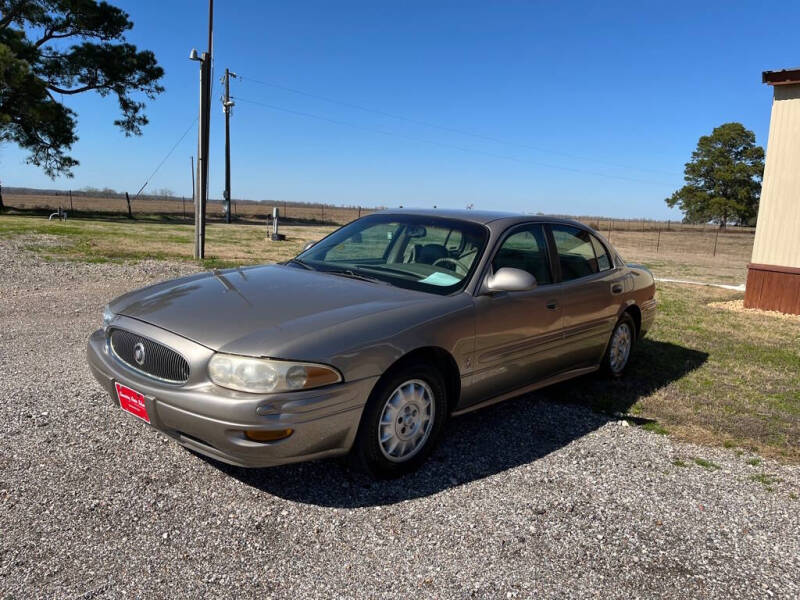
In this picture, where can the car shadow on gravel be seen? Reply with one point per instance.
(488, 441)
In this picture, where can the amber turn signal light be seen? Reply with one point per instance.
(268, 436)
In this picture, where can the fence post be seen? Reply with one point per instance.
(658, 240)
(716, 237)
(610, 228)
(183, 200)
(359, 212)
(70, 201)
(128, 200)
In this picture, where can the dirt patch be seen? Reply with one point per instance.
(737, 306)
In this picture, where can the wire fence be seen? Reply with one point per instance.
(654, 237)
(81, 203)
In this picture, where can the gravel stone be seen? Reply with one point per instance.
(529, 498)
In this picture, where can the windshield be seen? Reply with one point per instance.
(430, 254)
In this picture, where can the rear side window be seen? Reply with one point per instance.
(575, 252)
(525, 249)
(603, 260)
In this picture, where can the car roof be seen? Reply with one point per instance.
(482, 217)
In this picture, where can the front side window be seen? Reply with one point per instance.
(525, 249)
(575, 252)
(431, 254)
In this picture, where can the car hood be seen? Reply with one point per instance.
(236, 310)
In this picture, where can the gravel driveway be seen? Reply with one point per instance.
(528, 498)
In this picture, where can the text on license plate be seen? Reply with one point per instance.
(132, 401)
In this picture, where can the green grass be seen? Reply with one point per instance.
(680, 463)
(116, 240)
(766, 480)
(754, 462)
(706, 464)
(655, 427)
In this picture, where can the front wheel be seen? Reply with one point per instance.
(620, 346)
(401, 422)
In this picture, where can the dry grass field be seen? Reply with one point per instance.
(689, 255)
(152, 207)
(703, 374)
(177, 208)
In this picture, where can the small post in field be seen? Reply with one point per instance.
(716, 237)
(128, 200)
(658, 239)
(70, 201)
(183, 200)
(359, 212)
(610, 228)
(275, 236)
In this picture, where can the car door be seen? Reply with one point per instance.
(590, 287)
(518, 334)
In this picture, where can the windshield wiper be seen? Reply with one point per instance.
(355, 275)
(384, 268)
(302, 263)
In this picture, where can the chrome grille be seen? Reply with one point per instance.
(158, 360)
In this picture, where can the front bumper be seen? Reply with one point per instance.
(212, 420)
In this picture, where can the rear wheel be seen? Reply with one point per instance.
(402, 422)
(620, 346)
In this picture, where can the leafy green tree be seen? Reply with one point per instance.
(67, 47)
(723, 178)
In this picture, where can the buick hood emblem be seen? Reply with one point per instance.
(138, 354)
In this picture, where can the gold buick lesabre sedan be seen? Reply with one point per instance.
(371, 339)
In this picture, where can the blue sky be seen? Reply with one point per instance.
(568, 107)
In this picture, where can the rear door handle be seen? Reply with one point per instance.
(552, 305)
(616, 288)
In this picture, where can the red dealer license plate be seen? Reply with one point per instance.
(132, 401)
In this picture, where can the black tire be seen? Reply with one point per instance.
(612, 364)
(368, 454)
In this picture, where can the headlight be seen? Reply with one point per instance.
(264, 375)
(107, 316)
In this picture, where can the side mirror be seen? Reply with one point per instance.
(509, 279)
(308, 245)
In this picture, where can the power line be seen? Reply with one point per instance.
(171, 150)
(465, 132)
(445, 144)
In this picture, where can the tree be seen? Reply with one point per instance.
(37, 61)
(723, 178)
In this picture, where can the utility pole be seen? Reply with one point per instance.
(227, 107)
(202, 139)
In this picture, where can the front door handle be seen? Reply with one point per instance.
(616, 288)
(552, 305)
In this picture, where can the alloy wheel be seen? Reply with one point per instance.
(406, 420)
(620, 349)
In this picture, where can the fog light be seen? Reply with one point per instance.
(268, 436)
